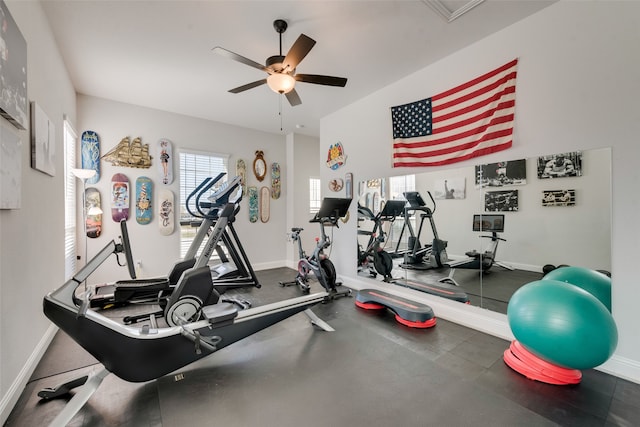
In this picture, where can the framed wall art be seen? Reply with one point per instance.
(511, 172)
(501, 201)
(559, 198)
(43, 141)
(13, 71)
(450, 188)
(560, 165)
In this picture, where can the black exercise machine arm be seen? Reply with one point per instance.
(193, 193)
(204, 189)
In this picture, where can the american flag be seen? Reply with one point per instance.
(471, 120)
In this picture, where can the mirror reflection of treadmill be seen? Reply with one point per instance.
(442, 290)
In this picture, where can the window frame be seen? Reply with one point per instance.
(191, 174)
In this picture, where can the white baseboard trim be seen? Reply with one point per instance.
(270, 265)
(12, 395)
(622, 367)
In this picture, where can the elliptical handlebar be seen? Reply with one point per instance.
(207, 187)
(197, 192)
(223, 194)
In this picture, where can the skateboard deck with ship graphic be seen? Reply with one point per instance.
(144, 191)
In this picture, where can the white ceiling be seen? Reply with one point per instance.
(158, 54)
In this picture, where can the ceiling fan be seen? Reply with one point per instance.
(282, 69)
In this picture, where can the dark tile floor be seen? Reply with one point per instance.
(371, 371)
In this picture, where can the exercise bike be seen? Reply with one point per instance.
(374, 257)
(319, 263)
(481, 261)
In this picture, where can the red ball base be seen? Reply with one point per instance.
(531, 366)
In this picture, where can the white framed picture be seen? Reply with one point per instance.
(43, 141)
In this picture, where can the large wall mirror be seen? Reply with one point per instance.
(498, 224)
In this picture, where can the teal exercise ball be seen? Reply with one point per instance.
(594, 282)
(562, 324)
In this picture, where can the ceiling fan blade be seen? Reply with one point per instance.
(298, 51)
(248, 86)
(293, 98)
(321, 80)
(232, 55)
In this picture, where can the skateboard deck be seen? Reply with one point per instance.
(94, 221)
(144, 192)
(90, 152)
(275, 180)
(265, 200)
(165, 164)
(166, 212)
(241, 171)
(119, 197)
(253, 203)
(348, 185)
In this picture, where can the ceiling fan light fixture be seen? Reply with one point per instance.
(281, 83)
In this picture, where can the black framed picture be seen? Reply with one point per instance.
(501, 201)
(560, 165)
(511, 172)
(559, 198)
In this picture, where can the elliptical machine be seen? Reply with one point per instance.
(435, 253)
(319, 263)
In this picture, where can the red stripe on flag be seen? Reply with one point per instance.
(476, 80)
(477, 153)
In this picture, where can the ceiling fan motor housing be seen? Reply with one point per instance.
(274, 63)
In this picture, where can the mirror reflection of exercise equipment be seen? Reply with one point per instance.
(374, 258)
(482, 261)
(562, 240)
(418, 257)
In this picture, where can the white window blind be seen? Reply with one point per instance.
(194, 168)
(397, 186)
(314, 195)
(70, 256)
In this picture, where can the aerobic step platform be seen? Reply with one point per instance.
(443, 290)
(409, 313)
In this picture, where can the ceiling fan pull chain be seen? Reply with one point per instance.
(280, 110)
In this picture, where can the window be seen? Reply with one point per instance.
(195, 167)
(397, 186)
(314, 195)
(70, 140)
